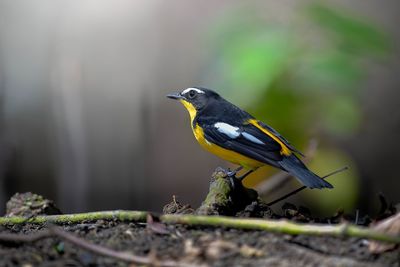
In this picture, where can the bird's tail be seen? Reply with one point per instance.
(295, 167)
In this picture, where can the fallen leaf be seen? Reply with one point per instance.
(391, 226)
(156, 227)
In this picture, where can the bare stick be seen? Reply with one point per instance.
(19, 238)
(283, 226)
(94, 248)
(103, 251)
(304, 187)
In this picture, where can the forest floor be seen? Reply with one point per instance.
(176, 244)
(195, 246)
(215, 247)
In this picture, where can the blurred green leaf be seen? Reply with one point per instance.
(352, 33)
(330, 70)
(254, 61)
(257, 60)
(341, 115)
(283, 109)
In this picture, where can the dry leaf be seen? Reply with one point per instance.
(391, 226)
(156, 227)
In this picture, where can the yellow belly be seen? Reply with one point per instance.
(225, 154)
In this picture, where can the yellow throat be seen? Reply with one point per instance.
(190, 108)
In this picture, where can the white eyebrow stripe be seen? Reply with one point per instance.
(227, 129)
(252, 138)
(194, 89)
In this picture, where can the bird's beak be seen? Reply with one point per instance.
(175, 96)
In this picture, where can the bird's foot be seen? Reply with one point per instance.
(233, 173)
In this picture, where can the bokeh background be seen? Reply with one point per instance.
(84, 119)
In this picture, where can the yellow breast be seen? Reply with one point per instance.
(221, 152)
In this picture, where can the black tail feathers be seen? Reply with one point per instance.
(294, 166)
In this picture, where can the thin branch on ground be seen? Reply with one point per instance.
(21, 238)
(277, 226)
(281, 178)
(304, 187)
(283, 226)
(94, 248)
(120, 215)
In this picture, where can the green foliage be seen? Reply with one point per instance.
(256, 61)
(329, 70)
(351, 34)
(277, 73)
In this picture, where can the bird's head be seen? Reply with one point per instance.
(194, 98)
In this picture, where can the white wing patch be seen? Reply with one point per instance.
(227, 129)
(234, 132)
(192, 89)
(252, 138)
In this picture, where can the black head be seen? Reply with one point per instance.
(195, 97)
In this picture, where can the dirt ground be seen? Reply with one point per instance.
(195, 245)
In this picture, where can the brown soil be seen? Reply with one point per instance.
(199, 245)
(195, 245)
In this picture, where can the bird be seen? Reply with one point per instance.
(234, 135)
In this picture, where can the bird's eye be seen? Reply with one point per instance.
(192, 94)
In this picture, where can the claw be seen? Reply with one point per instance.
(230, 173)
(233, 173)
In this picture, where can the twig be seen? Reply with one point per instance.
(283, 226)
(120, 215)
(277, 226)
(304, 187)
(124, 256)
(281, 178)
(356, 219)
(19, 238)
(97, 249)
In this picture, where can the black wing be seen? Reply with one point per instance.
(248, 141)
(280, 137)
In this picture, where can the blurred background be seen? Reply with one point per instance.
(84, 119)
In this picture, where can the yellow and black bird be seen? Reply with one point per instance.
(234, 135)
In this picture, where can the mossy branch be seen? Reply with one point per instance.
(283, 226)
(276, 226)
(224, 197)
(120, 215)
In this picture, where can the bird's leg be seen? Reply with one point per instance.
(230, 173)
(240, 178)
(232, 176)
(234, 179)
